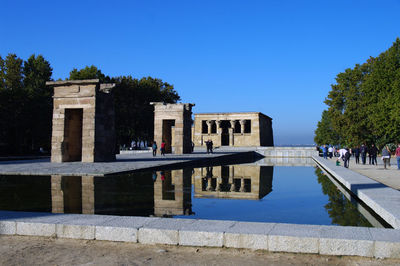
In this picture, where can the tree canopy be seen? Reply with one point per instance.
(364, 104)
(133, 112)
(25, 104)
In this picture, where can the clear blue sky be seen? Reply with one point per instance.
(275, 57)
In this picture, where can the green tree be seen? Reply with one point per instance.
(134, 114)
(342, 211)
(25, 104)
(38, 111)
(12, 101)
(364, 104)
(324, 134)
(89, 72)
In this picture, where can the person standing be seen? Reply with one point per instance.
(363, 151)
(356, 152)
(154, 147)
(373, 151)
(211, 146)
(386, 156)
(398, 156)
(330, 152)
(208, 146)
(325, 152)
(162, 149)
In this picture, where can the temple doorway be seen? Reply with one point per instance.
(225, 125)
(73, 135)
(167, 134)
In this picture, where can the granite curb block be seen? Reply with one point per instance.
(123, 229)
(162, 231)
(204, 233)
(294, 238)
(379, 197)
(8, 228)
(328, 240)
(248, 235)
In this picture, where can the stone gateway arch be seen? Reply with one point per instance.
(83, 121)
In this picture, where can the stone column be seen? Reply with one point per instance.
(231, 131)
(233, 123)
(219, 181)
(209, 123)
(219, 131)
(242, 123)
(241, 184)
(57, 195)
(232, 182)
(209, 185)
(87, 194)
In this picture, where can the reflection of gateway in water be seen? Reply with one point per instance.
(166, 193)
(172, 193)
(234, 181)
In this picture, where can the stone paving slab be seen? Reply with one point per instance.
(163, 231)
(204, 233)
(383, 200)
(299, 238)
(354, 241)
(333, 240)
(125, 163)
(248, 235)
(390, 176)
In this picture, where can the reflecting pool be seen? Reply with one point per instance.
(246, 192)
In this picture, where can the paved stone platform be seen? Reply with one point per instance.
(384, 200)
(328, 240)
(389, 176)
(125, 163)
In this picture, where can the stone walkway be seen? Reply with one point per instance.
(125, 163)
(382, 199)
(390, 177)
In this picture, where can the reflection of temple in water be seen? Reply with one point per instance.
(173, 193)
(234, 181)
(162, 193)
(142, 194)
(165, 193)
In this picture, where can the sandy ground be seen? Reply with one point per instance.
(23, 250)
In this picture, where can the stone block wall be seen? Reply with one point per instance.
(90, 105)
(260, 129)
(172, 122)
(259, 178)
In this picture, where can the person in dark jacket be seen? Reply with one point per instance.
(373, 152)
(363, 151)
(356, 152)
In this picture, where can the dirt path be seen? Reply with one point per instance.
(21, 250)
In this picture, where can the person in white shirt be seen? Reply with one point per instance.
(345, 155)
(330, 152)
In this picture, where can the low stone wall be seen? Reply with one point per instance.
(327, 240)
(292, 152)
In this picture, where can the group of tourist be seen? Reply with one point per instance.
(162, 148)
(209, 145)
(361, 151)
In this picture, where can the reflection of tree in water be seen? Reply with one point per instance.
(339, 208)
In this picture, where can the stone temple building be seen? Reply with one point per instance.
(83, 121)
(172, 124)
(249, 129)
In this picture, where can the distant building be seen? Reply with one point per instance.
(251, 129)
